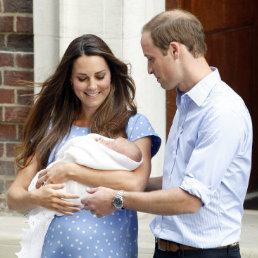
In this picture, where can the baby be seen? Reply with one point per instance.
(98, 152)
(94, 151)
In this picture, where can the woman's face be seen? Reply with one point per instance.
(91, 79)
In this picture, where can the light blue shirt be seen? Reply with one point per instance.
(208, 154)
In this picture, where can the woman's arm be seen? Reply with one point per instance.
(20, 199)
(129, 180)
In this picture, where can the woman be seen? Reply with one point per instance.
(90, 91)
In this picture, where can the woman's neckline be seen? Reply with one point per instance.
(83, 127)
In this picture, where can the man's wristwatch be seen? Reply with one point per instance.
(118, 200)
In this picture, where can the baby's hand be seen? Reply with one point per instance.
(102, 141)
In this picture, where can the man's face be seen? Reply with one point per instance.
(162, 66)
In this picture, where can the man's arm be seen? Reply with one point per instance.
(164, 202)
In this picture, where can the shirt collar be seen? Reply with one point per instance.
(201, 90)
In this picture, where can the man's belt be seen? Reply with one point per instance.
(170, 246)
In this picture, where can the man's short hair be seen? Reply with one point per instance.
(179, 26)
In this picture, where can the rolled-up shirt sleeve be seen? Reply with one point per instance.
(221, 136)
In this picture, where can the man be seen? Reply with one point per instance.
(208, 151)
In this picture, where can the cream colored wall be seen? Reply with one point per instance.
(119, 23)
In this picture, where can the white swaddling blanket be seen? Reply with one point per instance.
(86, 151)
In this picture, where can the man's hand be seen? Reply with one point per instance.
(99, 201)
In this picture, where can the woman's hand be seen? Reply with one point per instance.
(49, 197)
(56, 174)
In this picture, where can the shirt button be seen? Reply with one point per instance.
(180, 128)
(174, 152)
(158, 226)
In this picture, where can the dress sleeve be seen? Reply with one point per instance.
(139, 127)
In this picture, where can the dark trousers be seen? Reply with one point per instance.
(230, 252)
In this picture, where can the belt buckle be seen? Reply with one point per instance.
(160, 248)
(159, 245)
(165, 245)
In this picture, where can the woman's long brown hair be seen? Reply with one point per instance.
(57, 107)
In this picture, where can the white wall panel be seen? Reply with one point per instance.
(46, 37)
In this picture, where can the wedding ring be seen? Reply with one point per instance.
(43, 183)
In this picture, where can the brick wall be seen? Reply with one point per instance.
(16, 63)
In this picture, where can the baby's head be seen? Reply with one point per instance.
(123, 146)
(130, 149)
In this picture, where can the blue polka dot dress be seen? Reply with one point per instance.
(84, 235)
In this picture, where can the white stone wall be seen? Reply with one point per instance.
(119, 23)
